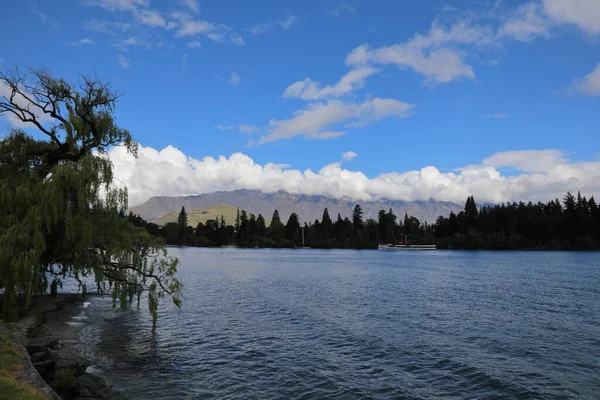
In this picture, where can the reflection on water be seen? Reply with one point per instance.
(271, 324)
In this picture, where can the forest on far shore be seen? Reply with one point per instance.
(570, 224)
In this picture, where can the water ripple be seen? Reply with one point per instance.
(273, 324)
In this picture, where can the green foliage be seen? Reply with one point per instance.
(172, 233)
(471, 212)
(389, 231)
(327, 224)
(182, 221)
(261, 226)
(357, 214)
(573, 224)
(276, 228)
(292, 227)
(63, 215)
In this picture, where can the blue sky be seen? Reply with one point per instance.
(401, 85)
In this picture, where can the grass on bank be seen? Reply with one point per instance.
(12, 386)
(202, 215)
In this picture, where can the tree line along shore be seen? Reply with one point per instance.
(570, 224)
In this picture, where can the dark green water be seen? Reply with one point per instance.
(310, 324)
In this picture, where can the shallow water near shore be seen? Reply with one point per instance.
(312, 324)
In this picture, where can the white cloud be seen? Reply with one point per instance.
(585, 14)
(170, 172)
(184, 23)
(234, 79)
(342, 8)
(82, 42)
(526, 24)
(188, 26)
(150, 18)
(249, 129)
(315, 121)
(288, 21)
(118, 5)
(236, 39)
(438, 56)
(195, 27)
(123, 61)
(589, 84)
(51, 22)
(108, 27)
(308, 89)
(216, 37)
(194, 44)
(183, 61)
(500, 115)
(262, 28)
(349, 155)
(192, 5)
(222, 127)
(135, 41)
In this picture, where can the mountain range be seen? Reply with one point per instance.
(307, 207)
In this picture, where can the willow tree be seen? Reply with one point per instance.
(59, 205)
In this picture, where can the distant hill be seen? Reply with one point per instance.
(307, 207)
(202, 215)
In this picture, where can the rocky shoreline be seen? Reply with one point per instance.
(50, 341)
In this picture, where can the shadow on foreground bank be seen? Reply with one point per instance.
(48, 340)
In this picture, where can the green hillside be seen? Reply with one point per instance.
(203, 214)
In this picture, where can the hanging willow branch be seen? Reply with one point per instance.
(61, 209)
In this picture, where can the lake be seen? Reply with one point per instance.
(343, 324)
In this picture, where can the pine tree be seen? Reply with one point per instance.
(292, 227)
(338, 227)
(243, 228)
(182, 220)
(326, 224)
(275, 220)
(261, 229)
(471, 212)
(276, 228)
(382, 235)
(391, 226)
(357, 221)
(252, 227)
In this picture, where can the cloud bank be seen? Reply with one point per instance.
(540, 175)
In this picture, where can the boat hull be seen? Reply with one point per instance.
(407, 247)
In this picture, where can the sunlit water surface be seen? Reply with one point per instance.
(311, 324)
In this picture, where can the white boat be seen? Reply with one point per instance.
(407, 247)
